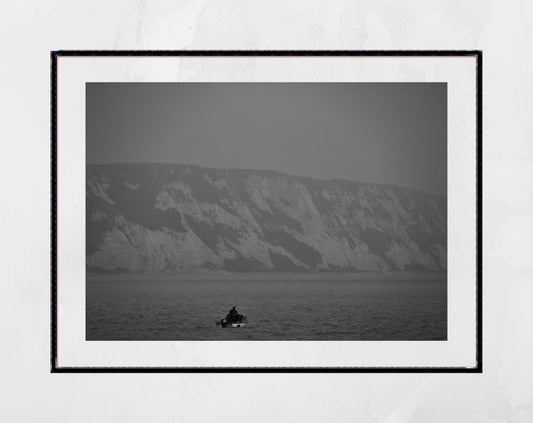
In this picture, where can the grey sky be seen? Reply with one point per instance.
(374, 132)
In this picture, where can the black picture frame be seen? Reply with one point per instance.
(477, 54)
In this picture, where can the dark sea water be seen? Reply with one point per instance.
(278, 306)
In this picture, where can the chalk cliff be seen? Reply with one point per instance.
(181, 218)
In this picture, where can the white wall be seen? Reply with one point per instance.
(502, 29)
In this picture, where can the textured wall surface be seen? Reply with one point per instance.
(503, 29)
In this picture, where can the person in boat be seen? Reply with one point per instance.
(233, 315)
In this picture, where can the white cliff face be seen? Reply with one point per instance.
(157, 218)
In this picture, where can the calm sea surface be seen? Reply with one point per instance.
(279, 307)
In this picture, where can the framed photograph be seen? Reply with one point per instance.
(266, 211)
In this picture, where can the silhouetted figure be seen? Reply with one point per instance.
(233, 316)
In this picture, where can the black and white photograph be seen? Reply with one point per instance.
(266, 211)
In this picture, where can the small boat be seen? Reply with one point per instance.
(240, 323)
